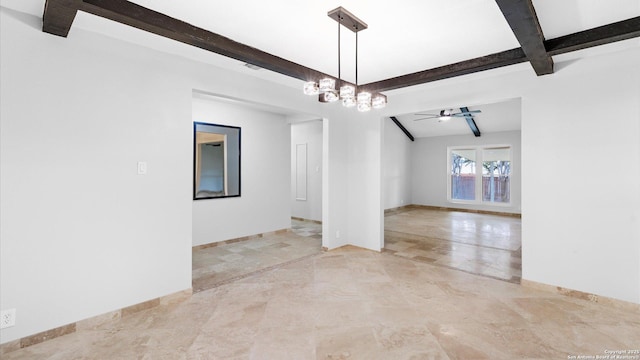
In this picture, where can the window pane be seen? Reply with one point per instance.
(496, 174)
(463, 174)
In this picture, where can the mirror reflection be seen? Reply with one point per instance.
(216, 161)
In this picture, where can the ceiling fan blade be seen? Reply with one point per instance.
(427, 118)
(427, 114)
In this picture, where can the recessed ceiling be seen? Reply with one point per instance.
(402, 37)
(494, 117)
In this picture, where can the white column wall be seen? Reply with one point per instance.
(365, 216)
(335, 194)
(581, 188)
(352, 179)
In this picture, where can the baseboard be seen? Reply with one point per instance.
(398, 209)
(309, 220)
(349, 247)
(444, 208)
(239, 239)
(93, 322)
(620, 304)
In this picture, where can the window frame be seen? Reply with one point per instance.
(479, 149)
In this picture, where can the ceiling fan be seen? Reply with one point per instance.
(446, 115)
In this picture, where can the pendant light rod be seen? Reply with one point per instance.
(339, 26)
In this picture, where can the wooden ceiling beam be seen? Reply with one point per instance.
(404, 129)
(601, 35)
(504, 58)
(59, 15)
(471, 121)
(622, 30)
(522, 18)
(142, 18)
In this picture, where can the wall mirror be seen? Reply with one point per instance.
(216, 161)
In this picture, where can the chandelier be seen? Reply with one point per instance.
(348, 93)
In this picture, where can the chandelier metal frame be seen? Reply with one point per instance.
(326, 88)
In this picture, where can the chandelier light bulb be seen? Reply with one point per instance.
(311, 88)
(331, 96)
(349, 101)
(364, 97)
(327, 84)
(364, 106)
(379, 101)
(364, 101)
(347, 91)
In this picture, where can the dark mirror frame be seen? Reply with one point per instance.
(203, 127)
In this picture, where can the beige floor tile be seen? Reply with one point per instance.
(355, 304)
(487, 245)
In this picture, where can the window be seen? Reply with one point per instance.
(488, 183)
(463, 174)
(496, 174)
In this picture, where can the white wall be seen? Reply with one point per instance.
(82, 233)
(309, 133)
(335, 194)
(265, 167)
(581, 227)
(352, 179)
(365, 212)
(397, 166)
(429, 169)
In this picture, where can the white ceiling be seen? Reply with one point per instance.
(404, 36)
(501, 116)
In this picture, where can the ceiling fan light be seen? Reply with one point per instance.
(445, 115)
(379, 101)
(311, 88)
(347, 91)
(327, 84)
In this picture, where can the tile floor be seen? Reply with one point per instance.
(217, 265)
(487, 245)
(351, 303)
(281, 297)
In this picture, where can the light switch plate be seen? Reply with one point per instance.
(142, 168)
